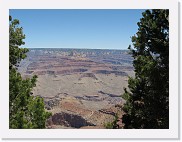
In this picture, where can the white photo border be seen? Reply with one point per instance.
(171, 133)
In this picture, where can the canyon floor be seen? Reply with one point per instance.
(82, 88)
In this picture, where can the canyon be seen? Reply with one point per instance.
(82, 88)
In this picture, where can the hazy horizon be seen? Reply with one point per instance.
(74, 48)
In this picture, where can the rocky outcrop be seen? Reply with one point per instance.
(68, 120)
(91, 75)
(80, 70)
(29, 72)
(71, 71)
(120, 73)
(50, 72)
(40, 72)
(51, 103)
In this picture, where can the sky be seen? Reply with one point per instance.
(78, 28)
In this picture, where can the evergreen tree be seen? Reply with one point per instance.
(25, 111)
(147, 101)
(113, 124)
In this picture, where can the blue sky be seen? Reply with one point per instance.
(92, 29)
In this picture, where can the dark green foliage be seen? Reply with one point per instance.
(16, 37)
(113, 125)
(147, 102)
(25, 111)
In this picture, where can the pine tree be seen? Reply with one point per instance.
(25, 110)
(147, 100)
